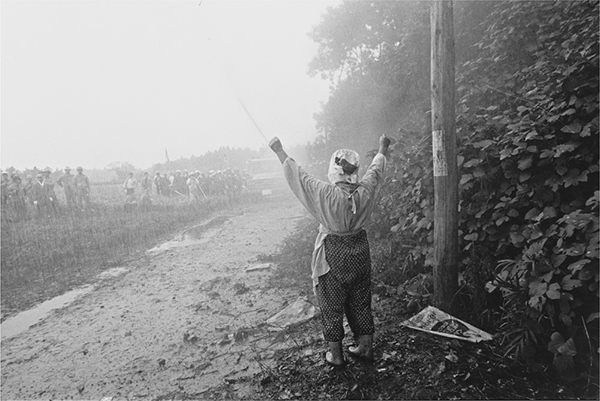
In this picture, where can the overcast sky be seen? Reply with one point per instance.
(95, 82)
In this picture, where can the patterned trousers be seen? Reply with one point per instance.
(346, 288)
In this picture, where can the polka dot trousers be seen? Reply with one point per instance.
(346, 288)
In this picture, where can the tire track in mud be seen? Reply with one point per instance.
(186, 318)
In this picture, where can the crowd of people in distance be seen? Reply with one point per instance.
(193, 186)
(39, 192)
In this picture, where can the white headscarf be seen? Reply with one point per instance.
(336, 172)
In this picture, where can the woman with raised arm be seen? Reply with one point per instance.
(341, 260)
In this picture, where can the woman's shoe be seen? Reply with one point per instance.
(354, 353)
(329, 360)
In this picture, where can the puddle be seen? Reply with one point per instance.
(17, 324)
(114, 272)
(178, 243)
(194, 236)
(24, 320)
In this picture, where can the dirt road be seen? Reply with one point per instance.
(182, 320)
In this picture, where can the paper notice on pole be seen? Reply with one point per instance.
(440, 165)
(435, 321)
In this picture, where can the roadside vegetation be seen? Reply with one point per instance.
(47, 256)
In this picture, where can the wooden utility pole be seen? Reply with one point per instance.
(445, 234)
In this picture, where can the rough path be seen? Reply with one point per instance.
(184, 319)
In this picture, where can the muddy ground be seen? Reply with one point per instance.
(187, 322)
(182, 320)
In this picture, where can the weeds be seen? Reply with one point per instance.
(43, 257)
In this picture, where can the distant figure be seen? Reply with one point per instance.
(146, 183)
(146, 197)
(4, 189)
(178, 184)
(172, 179)
(157, 183)
(49, 188)
(82, 189)
(27, 188)
(184, 187)
(193, 188)
(68, 185)
(129, 186)
(16, 199)
(165, 185)
(40, 197)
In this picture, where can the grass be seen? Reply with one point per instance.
(46, 256)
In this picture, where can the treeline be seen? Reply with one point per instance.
(226, 157)
(527, 127)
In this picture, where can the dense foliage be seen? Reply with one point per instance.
(527, 126)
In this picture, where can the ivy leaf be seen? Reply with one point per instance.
(483, 144)
(586, 273)
(501, 220)
(593, 317)
(524, 164)
(553, 291)
(573, 128)
(465, 178)
(575, 267)
(556, 340)
(490, 286)
(516, 239)
(569, 284)
(585, 131)
(506, 152)
(532, 214)
(594, 200)
(564, 148)
(562, 170)
(471, 237)
(568, 348)
(424, 222)
(536, 302)
(549, 212)
(557, 260)
(575, 249)
(524, 176)
(479, 173)
(537, 288)
(572, 178)
(472, 163)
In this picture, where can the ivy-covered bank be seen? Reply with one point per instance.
(527, 127)
(528, 154)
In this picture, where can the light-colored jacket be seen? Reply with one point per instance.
(337, 210)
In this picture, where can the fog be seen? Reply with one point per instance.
(93, 83)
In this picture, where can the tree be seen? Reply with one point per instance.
(122, 169)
